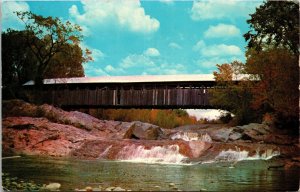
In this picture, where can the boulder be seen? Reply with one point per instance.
(17, 108)
(235, 136)
(221, 134)
(75, 118)
(262, 133)
(144, 131)
(42, 137)
(254, 130)
(119, 189)
(53, 187)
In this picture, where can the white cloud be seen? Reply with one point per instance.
(217, 50)
(199, 45)
(136, 60)
(211, 62)
(140, 60)
(94, 70)
(144, 64)
(114, 71)
(109, 68)
(174, 45)
(221, 50)
(9, 18)
(97, 54)
(210, 55)
(222, 30)
(167, 69)
(151, 52)
(212, 9)
(127, 14)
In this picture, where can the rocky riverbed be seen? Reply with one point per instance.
(46, 130)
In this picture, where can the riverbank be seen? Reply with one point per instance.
(46, 130)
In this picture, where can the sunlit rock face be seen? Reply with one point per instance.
(40, 136)
(46, 130)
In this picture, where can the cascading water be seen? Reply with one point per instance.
(238, 155)
(189, 136)
(157, 154)
(231, 155)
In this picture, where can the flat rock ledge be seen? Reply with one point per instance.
(47, 130)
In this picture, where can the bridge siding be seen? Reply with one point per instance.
(99, 96)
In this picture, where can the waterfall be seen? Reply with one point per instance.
(190, 136)
(157, 154)
(238, 155)
(231, 155)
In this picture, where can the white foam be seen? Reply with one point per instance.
(190, 136)
(157, 154)
(238, 155)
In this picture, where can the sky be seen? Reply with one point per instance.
(131, 37)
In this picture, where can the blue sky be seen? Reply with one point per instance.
(130, 37)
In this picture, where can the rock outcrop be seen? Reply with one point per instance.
(144, 131)
(47, 130)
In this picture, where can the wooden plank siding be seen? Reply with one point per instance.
(161, 96)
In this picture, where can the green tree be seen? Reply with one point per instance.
(275, 23)
(51, 36)
(18, 62)
(272, 56)
(67, 63)
(47, 48)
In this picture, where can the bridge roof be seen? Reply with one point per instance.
(130, 79)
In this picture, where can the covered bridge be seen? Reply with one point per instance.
(157, 91)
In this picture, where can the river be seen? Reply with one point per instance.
(251, 175)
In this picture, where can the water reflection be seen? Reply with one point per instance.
(245, 176)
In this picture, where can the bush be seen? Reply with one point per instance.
(166, 118)
(225, 118)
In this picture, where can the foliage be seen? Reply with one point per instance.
(18, 63)
(47, 48)
(233, 96)
(277, 91)
(225, 73)
(162, 118)
(46, 37)
(272, 56)
(225, 118)
(67, 63)
(275, 23)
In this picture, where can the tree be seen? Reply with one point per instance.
(275, 23)
(18, 62)
(67, 63)
(51, 36)
(272, 56)
(277, 91)
(225, 73)
(231, 95)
